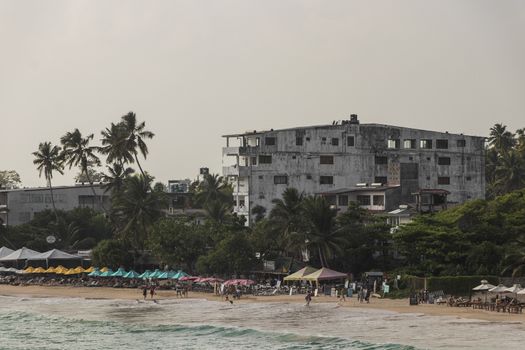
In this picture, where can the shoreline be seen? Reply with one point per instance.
(392, 305)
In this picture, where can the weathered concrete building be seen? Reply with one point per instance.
(378, 166)
(20, 205)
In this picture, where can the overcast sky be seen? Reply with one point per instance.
(195, 70)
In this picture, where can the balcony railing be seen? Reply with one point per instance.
(241, 151)
(236, 171)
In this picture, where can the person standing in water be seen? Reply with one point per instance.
(152, 291)
(308, 298)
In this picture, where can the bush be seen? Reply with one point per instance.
(112, 253)
(454, 285)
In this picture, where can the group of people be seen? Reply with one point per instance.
(363, 294)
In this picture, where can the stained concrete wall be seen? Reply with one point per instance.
(357, 163)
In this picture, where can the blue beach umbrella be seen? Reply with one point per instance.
(132, 274)
(95, 273)
(108, 273)
(119, 273)
(179, 275)
(145, 274)
(166, 274)
(155, 274)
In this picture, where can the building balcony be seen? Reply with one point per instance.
(240, 151)
(235, 170)
(241, 210)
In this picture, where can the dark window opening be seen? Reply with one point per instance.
(280, 180)
(381, 160)
(330, 200)
(469, 178)
(350, 141)
(326, 159)
(442, 144)
(379, 200)
(326, 180)
(380, 180)
(269, 141)
(443, 180)
(335, 141)
(343, 200)
(265, 159)
(461, 143)
(254, 160)
(409, 144)
(323, 140)
(298, 141)
(425, 144)
(393, 143)
(363, 200)
(444, 160)
(308, 177)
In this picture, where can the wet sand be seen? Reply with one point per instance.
(395, 305)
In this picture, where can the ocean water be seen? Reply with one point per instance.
(56, 323)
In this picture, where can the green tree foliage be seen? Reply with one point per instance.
(9, 179)
(113, 254)
(178, 242)
(473, 238)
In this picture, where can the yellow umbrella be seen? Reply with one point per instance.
(79, 269)
(39, 270)
(29, 270)
(60, 270)
(71, 272)
(298, 275)
(50, 270)
(104, 269)
(89, 269)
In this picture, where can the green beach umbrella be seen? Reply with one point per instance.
(155, 274)
(145, 274)
(179, 275)
(95, 273)
(132, 274)
(119, 273)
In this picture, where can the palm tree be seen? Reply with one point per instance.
(501, 139)
(78, 152)
(114, 179)
(137, 208)
(516, 258)
(48, 159)
(115, 145)
(510, 173)
(286, 216)
(322, 232)
(217, 211)
(135, 137)
(213, 188)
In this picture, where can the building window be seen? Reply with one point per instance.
(350, 141)
(326, 180)
(393, 143)
(308, 177)
(323, 140)
(330, 200)
(343, 200)
(298, 141)
(335, 141)
(261, 177)
(409, 144)
(469, 178)
(280, 180)
(254, 160)
(444, 160)
(363, 200)
(269, 141)
(265, 159)
(461, 143)
(242, 201)
(326, 159)
(443, 180)
(381, 160)
(442, 144)
(380, 180)
(425, 144)
(379, 200)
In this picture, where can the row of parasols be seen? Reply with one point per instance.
(485, 286)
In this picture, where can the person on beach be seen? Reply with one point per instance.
(308, 298)
(145, 292)
(152, 291)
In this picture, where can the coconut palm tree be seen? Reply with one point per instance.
(115, 177)
(213, 188)
(286, 216)
(135, 137)
(78, 152)
(115, 145)
(322, 232)
(501, 139)
(510, 173)
(48, 160)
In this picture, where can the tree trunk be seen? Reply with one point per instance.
(140, 167)
(52, 198)
(94, 193)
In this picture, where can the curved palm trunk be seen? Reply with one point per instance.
(52, 199)
(138, 163)
(101, 201)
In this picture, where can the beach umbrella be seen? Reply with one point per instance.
(298, 275)
(29, 270)
(324, 274)
(39, 270)
(69, 272)
(192, 278)
(155, 273)
(3, 269)
(514, 289)
(79, 269)
(4, 251)
(104, 269)
(132, 274)
(145, 274)
(50, 270)
(166, 274)
(179, 274)
(500, 288)
(241, 282)
(60, 270)
(119, 273)
(106, 273)
(89, 269)
(95, 273)
(483, 287)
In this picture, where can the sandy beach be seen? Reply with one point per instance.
(394, 305)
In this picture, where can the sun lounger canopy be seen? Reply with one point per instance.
(500, 288)
(298, 275)
(483, 287)
(324, 274)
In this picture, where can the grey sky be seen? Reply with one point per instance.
(194, 70)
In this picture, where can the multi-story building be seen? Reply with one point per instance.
(378, 166)
(18, 206)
